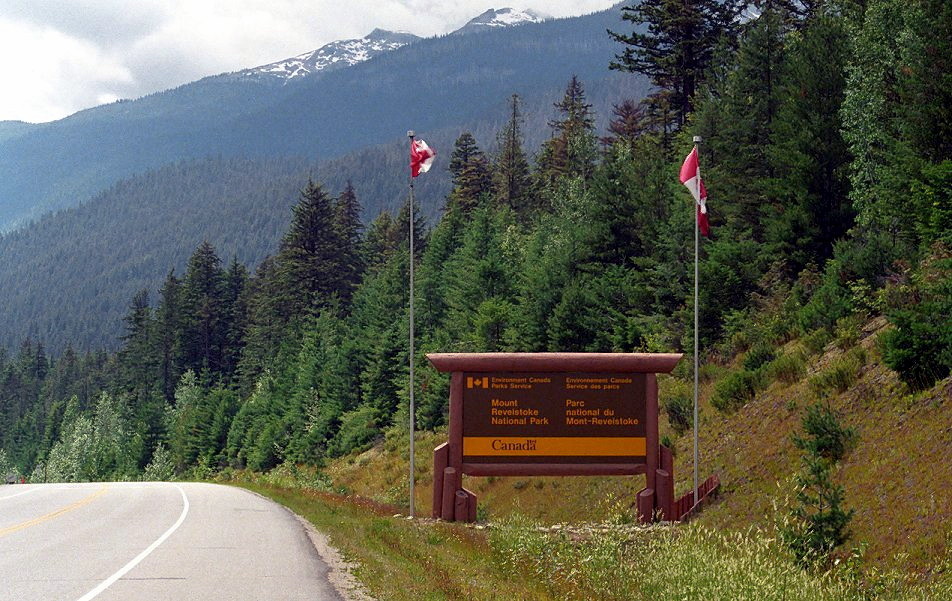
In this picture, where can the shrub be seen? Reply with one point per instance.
(358, 429)
(847, 331)
(830, 302)
(920, 348)
(840, 375)
(679, 408)
(789, 367)
(7, 469)
(848, 280)
(817, 340)
(758, 356)
(710, 371)
(667, 441)
(735, 390)
(162, 466)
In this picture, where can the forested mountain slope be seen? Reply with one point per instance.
(69, 276)
(431, 84)
(63, 277)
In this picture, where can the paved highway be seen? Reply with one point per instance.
(153, 542)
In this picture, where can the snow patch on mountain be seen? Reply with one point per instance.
(336, 55)
(503, 17)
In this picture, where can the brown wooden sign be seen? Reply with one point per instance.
(565, 418)
(545, 414)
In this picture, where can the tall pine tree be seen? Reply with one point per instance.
(678, 46)
(511, 174)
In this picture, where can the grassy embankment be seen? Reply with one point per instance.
(897, 478)
(400, 560)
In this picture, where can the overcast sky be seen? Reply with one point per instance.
(60, 56)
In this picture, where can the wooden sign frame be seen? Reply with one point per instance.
(452, 502)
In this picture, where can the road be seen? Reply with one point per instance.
(153, 542)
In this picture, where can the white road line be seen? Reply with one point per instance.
(19, 494)
(126, 568)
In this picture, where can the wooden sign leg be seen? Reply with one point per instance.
(441, 457)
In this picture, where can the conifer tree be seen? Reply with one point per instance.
(628, 124)
(204, 324)
(381, 241)
(169, 335)
(420, 229)
(137, 362)
(265, 326)
(471, 174)
(810, 156)
(478, 282)
(737, 118)
(571, 151)
(511, 174)
(678, 46)
(309, 265)
(235, 309)
(349, 229)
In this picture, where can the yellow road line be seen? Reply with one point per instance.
(54, 514)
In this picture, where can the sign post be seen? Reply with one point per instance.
(552, 414)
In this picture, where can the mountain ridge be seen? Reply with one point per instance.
(335, 55)
(498, 18)
(452, 79)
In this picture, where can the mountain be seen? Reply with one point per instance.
(12, 129)
(503, 17)
(336, 55)
(68, 278)
(326, 114)
(130, 234)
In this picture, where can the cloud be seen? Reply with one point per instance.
(58, 56)
(49, 74)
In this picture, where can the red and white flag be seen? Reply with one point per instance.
(421, 157)
(691, 177)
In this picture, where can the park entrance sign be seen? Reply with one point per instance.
(553, 414)
(553, 418)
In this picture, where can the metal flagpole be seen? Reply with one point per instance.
(697, 141)
(411, 135)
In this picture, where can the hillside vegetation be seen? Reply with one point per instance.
(67, 278)
(825, 296)
(894, 476)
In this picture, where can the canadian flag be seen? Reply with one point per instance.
(421, 157)
(691, 177)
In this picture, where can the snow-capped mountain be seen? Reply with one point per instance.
(344, 53)
(336, 55)
(503, 17)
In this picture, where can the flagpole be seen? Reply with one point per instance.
(697, 244)
(411, 134)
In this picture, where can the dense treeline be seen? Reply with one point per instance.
(68, 278)
(826, 155)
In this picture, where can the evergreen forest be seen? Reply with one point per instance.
(825, 150)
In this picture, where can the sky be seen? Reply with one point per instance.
(60, 56)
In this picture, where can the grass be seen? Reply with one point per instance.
(403, 560)
(398, 559)
(691, 562)
(896, 477)
(901, 519)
